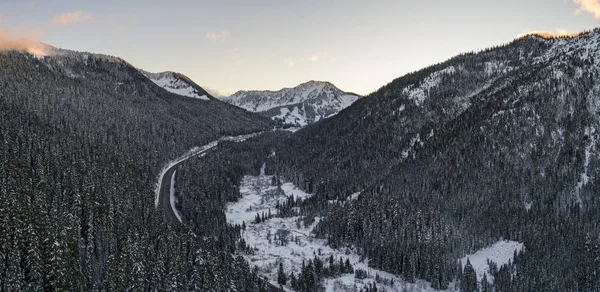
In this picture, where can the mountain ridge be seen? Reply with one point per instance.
(464, 153)
(178, 83)
(304, 104)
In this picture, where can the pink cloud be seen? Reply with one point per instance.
(71, 17)
(589, 6)
(213, 36)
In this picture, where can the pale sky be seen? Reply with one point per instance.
(240, 45)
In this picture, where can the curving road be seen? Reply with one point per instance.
(165, 189)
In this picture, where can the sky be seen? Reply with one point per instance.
(226, 46)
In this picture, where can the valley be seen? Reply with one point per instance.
(289, 241)
(477, 173)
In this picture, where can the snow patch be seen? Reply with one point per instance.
(170, 82)
(420, 93)
(500, 253)
(584, 178)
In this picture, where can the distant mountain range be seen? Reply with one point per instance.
(301, 105)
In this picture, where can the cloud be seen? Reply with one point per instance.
(214, 36)
(71, 18)
(211, 36)
(27, 38)
(559, 32)
(589, 6)
(321, 57)
(290, 62)
(27, 42)
(118, 22)
(215, 93)
(238, 58)
(241, 61)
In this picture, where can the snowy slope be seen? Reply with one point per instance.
(177, 83)
(501, 253)
(259, 196)
(304, 104)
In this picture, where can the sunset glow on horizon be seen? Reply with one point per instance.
(228, 46)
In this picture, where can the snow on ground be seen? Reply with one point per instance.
(178, 87)
(418, 94)
(347, 100)
(293, 129)
(296, 116)
(495, 67)
(283, 112)
(260, 196)
(584, 177)
(500, 252)
(350, 198)
(171, 83)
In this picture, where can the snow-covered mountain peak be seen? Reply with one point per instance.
(177, 83)
(306, 103)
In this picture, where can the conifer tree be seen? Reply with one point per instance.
(281, 277)
(468, 282)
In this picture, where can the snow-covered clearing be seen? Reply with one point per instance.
(500, 253)
(260, 196)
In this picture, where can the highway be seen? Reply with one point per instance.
(165, 190)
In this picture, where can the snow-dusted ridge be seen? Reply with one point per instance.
(173, 82)
(176, 83)
(418, 94)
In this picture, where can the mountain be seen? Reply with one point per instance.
(478, 173)
(301, 105)
(83, 139)
(178, 83)
(496, 145)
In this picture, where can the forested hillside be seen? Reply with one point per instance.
(83, 138)
(500, 144)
